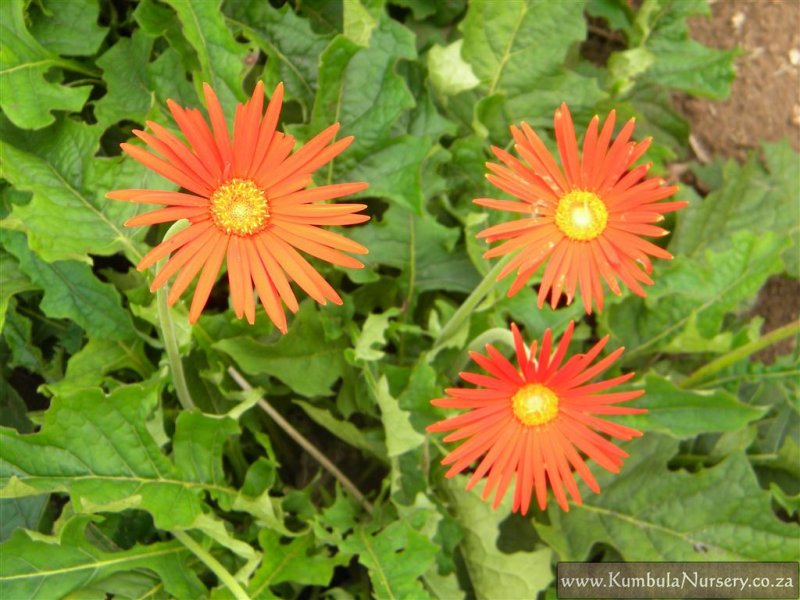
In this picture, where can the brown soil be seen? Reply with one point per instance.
(765, 100)
(764, 105)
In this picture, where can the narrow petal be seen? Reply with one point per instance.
(158, 197)
(166, 215)
(235, 276)
(567, 145)
(266, 290)
(219, 127)
(277, 275)
(266, 132)
(173, 243)
(208, 277)
(181, 257)
(192, 268)
(319, 251)
(165, 169)
(323, 192)
(195, 129)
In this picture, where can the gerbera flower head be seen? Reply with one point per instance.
(585, 219)
(537, 420)
(248, 202)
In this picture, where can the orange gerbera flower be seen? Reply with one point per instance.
(532, 420)
(585, 222)
(247, 200)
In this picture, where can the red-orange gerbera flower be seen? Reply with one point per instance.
(585, 222)
(536, 421)
(247, 200)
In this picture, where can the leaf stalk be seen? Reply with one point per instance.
(468, 306)
(212, 563)
(168, 332)
(740, 353)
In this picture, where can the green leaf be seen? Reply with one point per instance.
(68, 216)
(495, 574)
(38, 566)
(617, 12)
(422, 248)
(129, 92)
(17, 334)
(14, 412)
(686, 413)
(678, 61)
(197, 446)
(517, 51)
(71, 291)
(68, 27)
(449, 73)
(21, 513)
(647, 512)
(754, 197)
(291, 46)
(400, 435)
(303, 359)
(697, 293)
(12, 282)
(623, 67)
(393, 171)
(114, 464)
(344, 430)
(396, 558)
(222, 58)
(373, 332)
(99, 357)
(358, 22)
(298, 561)
(23, 66)
(360, 88)
(789, 503)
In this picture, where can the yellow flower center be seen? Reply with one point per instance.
(535, 404)
(581, 215)
(240, 207)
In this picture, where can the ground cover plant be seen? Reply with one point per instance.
(345, 401)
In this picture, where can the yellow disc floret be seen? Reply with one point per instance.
(581, 215)
(239, 207)
(535, 404)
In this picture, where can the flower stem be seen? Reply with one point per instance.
(473, 300)
(741, 352)
(303, 442)
(168, 333)
(213, 564)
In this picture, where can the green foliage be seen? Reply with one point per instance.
(102, 474)
(759, 197)
(650, 514)
(71, 291)
(68, 27)
(221, 58)
(291, 358)
(495, 574)
(685, 413)
(23, 68)
(36, 566)
(58, 167)
(115, 464)
(422, 248)
(692, 296)
(395, 557)
(518, 51)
